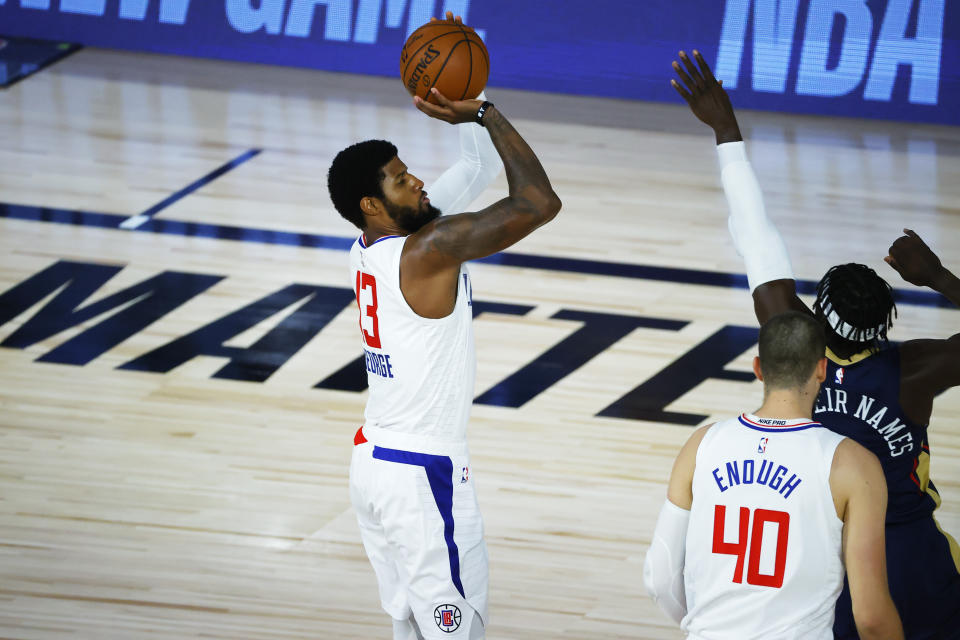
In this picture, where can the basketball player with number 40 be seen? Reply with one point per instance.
(765, 511)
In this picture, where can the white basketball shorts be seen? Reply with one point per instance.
(422, 530)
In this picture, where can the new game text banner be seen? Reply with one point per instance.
(896, 59)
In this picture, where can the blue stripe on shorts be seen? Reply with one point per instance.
(440, 475)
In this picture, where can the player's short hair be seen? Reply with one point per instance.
(791, 345)
(856, 306)
(357, 173)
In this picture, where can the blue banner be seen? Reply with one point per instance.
(894, 59)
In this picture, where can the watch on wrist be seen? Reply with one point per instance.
(481, 111)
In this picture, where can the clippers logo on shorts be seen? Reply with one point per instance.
(762, 447)
(447, 618)
(839, 376)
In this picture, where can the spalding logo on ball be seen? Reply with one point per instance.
(447, 55)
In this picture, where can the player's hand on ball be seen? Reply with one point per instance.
(452, 111)
(450, 17)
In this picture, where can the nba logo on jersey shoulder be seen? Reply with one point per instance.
(838, 378)
(762, 447)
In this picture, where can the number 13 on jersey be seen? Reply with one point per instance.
(367, 284)
(752, 537)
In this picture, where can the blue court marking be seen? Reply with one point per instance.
(511, 259)
(620, 269)
(440, 475)
(193, 186)
(174, 227)
(29, 57)
(61, 216)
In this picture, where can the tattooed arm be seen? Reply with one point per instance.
(478, 166)
(431, 259)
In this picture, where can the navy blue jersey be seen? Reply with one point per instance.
(924, 583)
(861, 400)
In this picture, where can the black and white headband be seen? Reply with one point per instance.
(841, 328)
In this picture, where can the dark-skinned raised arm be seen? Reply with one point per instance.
(709, 102)
(531, 202)
(431, 259)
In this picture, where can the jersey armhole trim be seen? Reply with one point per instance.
(406, 303)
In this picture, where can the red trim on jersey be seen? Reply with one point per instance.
(359, 438)
(791, 425)
(913, 473)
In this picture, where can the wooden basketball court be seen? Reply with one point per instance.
(177, 404)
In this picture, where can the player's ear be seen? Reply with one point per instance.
(371, 206)
(821, 370)
(756, 368)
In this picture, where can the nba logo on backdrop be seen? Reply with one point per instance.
(447, 617)
(869, 59)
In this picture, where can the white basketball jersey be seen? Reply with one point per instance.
(420, 370)
(763, 554)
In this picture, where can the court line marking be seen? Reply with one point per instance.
(136, 221)
(676, 275)
(64, 53)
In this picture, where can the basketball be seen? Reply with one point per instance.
(446, 55)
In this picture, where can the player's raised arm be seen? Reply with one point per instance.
(531, 202)
(754, 235)
(860, 496)
(918, 264)
(929, 366)
(476, 167)
(432, 256)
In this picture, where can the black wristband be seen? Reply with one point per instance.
(482, 110)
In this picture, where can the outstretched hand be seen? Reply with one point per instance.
(914, 260)
(706, 97)
(452, 111)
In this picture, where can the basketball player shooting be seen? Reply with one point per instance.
(764, 511)
(410, 478)
(880, 395)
